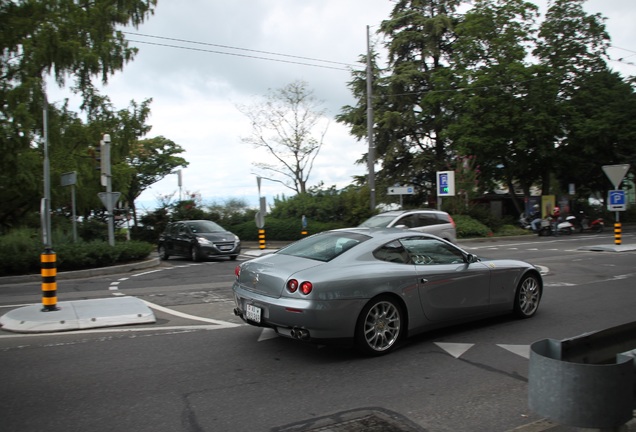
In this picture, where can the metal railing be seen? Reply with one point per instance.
(587, 381)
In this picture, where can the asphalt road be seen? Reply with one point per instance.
(200, 369)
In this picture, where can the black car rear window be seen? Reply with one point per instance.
(324, 246)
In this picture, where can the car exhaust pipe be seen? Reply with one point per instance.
(237, 312)
(299, 333)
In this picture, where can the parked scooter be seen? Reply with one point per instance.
(584, 224)
(551, 227)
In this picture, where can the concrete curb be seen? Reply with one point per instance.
(78, 315)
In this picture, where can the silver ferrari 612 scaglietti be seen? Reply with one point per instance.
(376, 286)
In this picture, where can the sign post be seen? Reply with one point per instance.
(445, 186)
(401, 190)
(616, 200)
(69, 179)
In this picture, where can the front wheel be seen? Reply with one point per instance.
(379, 326)
(195, 255)
(527, 296)
(163, 253)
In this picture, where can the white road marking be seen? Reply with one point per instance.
(454, 349)
(151, 271)
(521, 350)
(266, 334)
(188, 316)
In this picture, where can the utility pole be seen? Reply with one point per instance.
(371, 153)
(48, 258)
(109, 199)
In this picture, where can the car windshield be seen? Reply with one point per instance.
(324, 246)
(203, 227)
(379, 221)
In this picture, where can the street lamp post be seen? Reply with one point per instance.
(371, 153)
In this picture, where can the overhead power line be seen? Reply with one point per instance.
(343, 66)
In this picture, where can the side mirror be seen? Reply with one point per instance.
(470, 258)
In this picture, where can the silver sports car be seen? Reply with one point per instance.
(376, 286)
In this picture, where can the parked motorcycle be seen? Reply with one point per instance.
(584, 224)
(551, 227)
(524, 222)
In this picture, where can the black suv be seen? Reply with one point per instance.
(198, 239)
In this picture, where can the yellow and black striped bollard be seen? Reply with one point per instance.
(261, 238)
(49, 285)
(617, 233)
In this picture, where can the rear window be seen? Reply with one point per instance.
(379, 221)
(325, 246)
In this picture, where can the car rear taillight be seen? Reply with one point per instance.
(452, 221)
(306, 287)
(292, 285)
(237, 271)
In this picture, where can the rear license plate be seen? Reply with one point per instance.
(253, 313)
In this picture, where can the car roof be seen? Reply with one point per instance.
(385, 234)
(402, 212)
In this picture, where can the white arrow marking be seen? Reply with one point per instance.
(267, 333)
(454, 349)
(521, 350)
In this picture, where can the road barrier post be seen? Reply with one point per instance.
(618, 233)
(49, 285)
(261, 238)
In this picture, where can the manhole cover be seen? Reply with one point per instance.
(360, 420)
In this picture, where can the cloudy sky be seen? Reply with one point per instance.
(199, 59)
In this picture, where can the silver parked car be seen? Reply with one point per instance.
(429, 221)
(376, 286)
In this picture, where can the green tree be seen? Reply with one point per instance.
(496, 111)
(65, 39)
(409, 98)
(572, 45)
(599, 120)
(283, 125)
(149, 161)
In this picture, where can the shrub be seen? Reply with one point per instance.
(468, 227)
(281, 229)
(20, 253)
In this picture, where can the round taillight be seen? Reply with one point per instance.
(306, 287)
(237, 271)
(292, 285)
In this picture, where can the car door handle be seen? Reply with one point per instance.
(423, 280)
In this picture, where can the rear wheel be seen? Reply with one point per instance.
(379, 326)
(527, 296)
